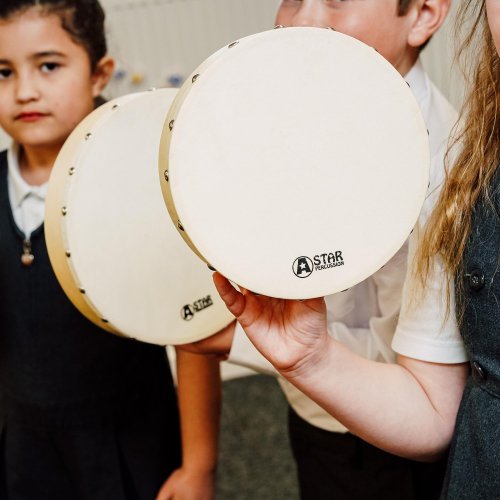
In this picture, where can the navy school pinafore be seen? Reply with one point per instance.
(84, 414)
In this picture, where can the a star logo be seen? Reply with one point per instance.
(303, 267)
(187, 313)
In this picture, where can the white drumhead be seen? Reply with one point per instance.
(62, 172)
(127, 260)
(297, 162)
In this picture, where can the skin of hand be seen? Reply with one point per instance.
(188, 485)
(217, 345)
(290, 333)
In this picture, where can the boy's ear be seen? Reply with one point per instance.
(102, 74)
(430, 16)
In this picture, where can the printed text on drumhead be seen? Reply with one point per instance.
(304, 266)
(189, 310)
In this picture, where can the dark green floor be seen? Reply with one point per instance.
(255, 458)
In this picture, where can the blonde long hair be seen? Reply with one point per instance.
(478, 139)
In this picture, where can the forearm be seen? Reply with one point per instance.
(397, 407)
(408, 409)
(199, 393)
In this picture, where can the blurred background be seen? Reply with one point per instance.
(158, 43)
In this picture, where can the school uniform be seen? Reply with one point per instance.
(474, 460)
(84, 414)
(331, 462)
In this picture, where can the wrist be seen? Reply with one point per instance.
(314, 365)
(200, 462)
(198, 468)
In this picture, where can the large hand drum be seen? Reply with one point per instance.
(111, 242)
(295, 162)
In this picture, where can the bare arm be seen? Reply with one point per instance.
(408, 409)
(199, 394)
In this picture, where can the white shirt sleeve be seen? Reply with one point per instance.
(427, 329)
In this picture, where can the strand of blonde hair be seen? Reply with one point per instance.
(478, 140)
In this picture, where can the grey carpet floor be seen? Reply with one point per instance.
(255, 458)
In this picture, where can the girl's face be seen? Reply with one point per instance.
(493, 12)
(46, 83)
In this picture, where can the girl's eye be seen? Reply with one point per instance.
(5, 73)
(49, 67)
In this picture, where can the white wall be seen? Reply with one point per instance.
(154, 40)
(438, 60)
